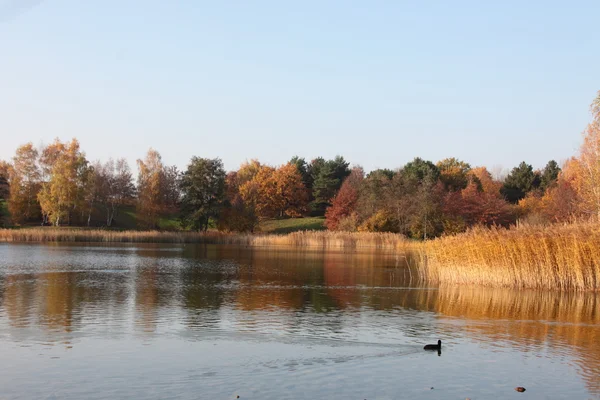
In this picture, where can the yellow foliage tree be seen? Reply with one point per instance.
(454, 173)
(150, 189)
(64, 192)
(24, 184)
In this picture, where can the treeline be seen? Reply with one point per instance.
(57, 185)
(424, 199)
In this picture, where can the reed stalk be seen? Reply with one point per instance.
(563, 257)
(315, 239)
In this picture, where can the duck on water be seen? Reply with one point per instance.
(437, 346)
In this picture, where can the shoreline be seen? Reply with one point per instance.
(313, 239)
(559, 257)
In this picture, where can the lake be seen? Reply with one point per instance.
(216, 322)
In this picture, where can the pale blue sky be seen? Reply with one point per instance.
(379, 82)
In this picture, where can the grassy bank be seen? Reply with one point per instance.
(322, 239)
(293, 225)
(563, 257)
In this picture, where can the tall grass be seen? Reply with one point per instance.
(332, 240)
(563, 257)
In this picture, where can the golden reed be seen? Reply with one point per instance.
(560, 257)
(319, 239)
(563, 257)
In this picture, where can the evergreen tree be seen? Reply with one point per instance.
(303, 169)
(328, 178)
(549, 175)
(421, 170)
(519, 182)
(203, 189)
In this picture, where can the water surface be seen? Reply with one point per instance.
(215, 322)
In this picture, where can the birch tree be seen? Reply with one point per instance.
(64, 192)
(150, 189)
(24, 184)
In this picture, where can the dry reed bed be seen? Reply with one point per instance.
(563, 257)
(329, 240)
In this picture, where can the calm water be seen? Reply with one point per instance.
(215, 322)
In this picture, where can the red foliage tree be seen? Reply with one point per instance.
(475, 206)
(344, 202)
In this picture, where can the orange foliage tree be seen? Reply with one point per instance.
(586, 170)
(560, 202)
(275, 192)
(237, 215)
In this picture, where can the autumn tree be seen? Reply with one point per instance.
(561, 201)
(24, 184)
(585, 169)
(292, 195)
(64, 192)
(480, 203)
(259, 191)
(426, 219)
(407, 201)
(419, 181)
(344, 202)
(171, 187)
(375, 194)
(114, 188)
(486, 207)
(236, 214)
(454, 174)
(276, 192)
(595, 107)
(247, 171)
(483, 179)
(240, 208)
(203, 188)
(150, 189)
(48, 157)
(91, 191)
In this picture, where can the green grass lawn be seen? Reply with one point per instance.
(126, 219)
(293, 225)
